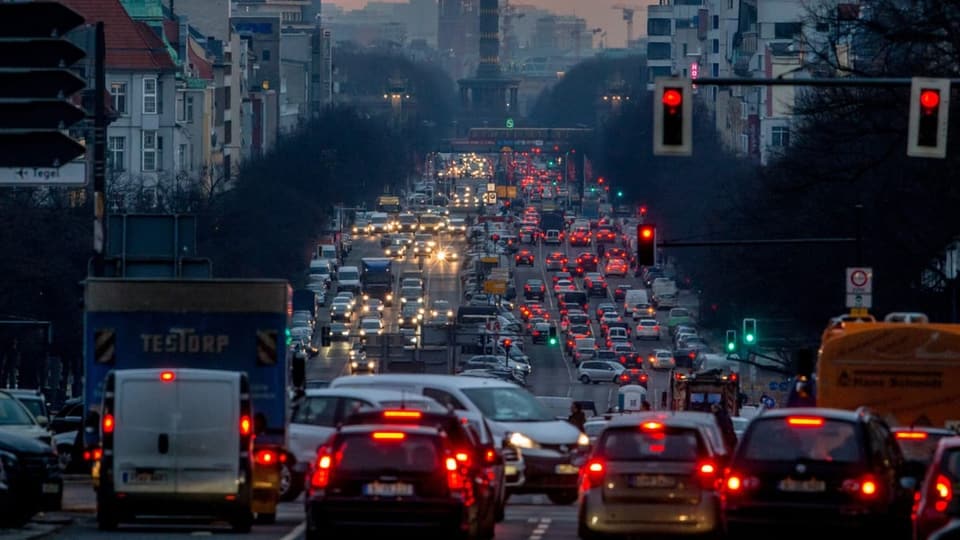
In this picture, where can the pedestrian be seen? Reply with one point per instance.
(577, 417)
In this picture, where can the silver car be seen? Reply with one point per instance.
(651, 474)
(596, 371)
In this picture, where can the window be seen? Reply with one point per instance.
(159, 153)
(729, 4)
(658, 27)
(716, 46)
(780, 136)
(182, 153)
(316, 411)
(119, 92)
(159, 96)
(716, 22)
(265, 55)
(659, 71)
(658, 51)
(149, 146)
(508, 404)
(776, 440)
(666, 444)
(188, 112)
(444, 398)
(181, 107)
(227, 97)
(291, 16)
(150, 95)
(715, 69)
(115, 151)
(227, 131)
(786, 30)
(684, 49)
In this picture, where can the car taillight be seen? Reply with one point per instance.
(321, 472)
(651, 426)
(912, 435)
(735, 483)
(865, 487)
(942, 493)
(411, 415)
(805, 421)
(593, 472)
(246, 426)
(108, 423)
(265, 457)
(707, 472)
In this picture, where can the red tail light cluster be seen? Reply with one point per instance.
(865, 487)
(592, 474)
(942, 493)
(266, 457)
(321, 472)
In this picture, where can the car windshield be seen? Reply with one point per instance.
(508, 404)
(348, 275)
(594, 429)
(661, 444)
(362, 452)
(370, 325)
(34, 405)
(316, 411)
(802, 438)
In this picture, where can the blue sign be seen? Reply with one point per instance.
(774, 385)
(784, 385)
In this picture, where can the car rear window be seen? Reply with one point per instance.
(951, 463)
(412, 453)
(638, 444)
(918, 445)
(802, 438)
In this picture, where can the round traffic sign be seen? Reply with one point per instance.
(859, 278)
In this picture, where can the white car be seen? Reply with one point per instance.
(648, 329)
(662, 359)
(371, 327)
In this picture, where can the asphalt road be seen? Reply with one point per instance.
(528, 517)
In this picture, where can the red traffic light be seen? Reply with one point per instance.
(507, 342)
(600, 180)
(643, 210)
(646, 233)
(672, 98)
(929, 99)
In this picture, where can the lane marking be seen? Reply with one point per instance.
(297, 532)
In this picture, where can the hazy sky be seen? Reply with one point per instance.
(599, 14)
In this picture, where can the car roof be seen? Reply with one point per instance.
(411, 429)
(420, 379)
(685, 419)
(373, 393)
(822, 412)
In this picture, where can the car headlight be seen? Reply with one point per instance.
(400, 320)
(346, 332)
(380, 308)
(403, 300)
(520, 440)
(450, 314)
(354, 365)
(583, 440)
(371, 364)
(387, 252)
(389, 296)
(363, 332)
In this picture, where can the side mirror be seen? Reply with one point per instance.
(43, 421)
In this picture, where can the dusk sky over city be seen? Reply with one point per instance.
(599, 14)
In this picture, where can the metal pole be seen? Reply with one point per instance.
(859, 210)
(754, 242)
(99, 153)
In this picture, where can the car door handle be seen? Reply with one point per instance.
(163, 443)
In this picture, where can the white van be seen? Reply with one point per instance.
(176, 442)
(328, 251)
(348, 279)
(636, 304)
(321, 271)
(540, 451)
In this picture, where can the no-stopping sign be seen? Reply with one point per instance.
(859, 280)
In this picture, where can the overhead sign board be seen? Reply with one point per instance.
(73, 173)
(495, 287)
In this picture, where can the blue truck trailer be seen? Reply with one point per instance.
(376, 279)
(233, 325)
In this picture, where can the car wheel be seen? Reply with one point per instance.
(291, 483)
(64, 456)
(585, 379)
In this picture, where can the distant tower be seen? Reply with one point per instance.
(489, 98)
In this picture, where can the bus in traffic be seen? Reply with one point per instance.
(907, 372)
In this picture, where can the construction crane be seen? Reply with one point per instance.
(628, 12)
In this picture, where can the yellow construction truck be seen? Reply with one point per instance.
(700, 391)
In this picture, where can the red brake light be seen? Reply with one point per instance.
(651, 426)
(708, 468)
(388, 436)
(97, 454)
(413, 415)
(942, 492)
(246, 426)
(167, 376)
(490, 456)
(595, 467)
(108, 423)
(266, 457)
(805, 421)
(321, 473)
(462, 457)
(734, 484)
(868, 488)
(916, 435)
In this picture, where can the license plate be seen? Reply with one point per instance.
(652, 481)
(149, 478)
(388, 490)
(51, 488)
(566, 468)
(802, 486)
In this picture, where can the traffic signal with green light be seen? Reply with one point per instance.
(619, 193)
(731, 342)
(552, 339)
(749, 331)
(289, 336)
(646, 245)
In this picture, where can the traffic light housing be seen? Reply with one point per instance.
(672, 117)
(730, 345)
(552, 339)
(750, 332)
(647, 245)
(929, 112)
(619, 193)
(507, 343)
(36, 89)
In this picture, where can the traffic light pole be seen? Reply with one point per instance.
(849, 82)
(99, 153)
(755, 242)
